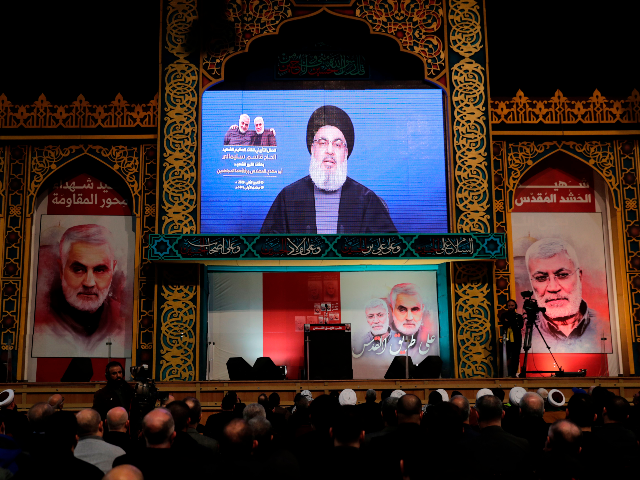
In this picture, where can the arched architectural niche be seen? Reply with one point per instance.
(600, 156)
(122, 160)
(416, 28)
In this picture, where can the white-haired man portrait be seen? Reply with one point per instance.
(376, 313)
(568, 325)
(80, 312)
(240, 134)
(262, 136)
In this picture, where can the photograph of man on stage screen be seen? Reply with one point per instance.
(327, 201)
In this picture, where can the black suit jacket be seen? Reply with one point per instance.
(360, 211)
(498, 454)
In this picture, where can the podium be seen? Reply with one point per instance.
(328, 352)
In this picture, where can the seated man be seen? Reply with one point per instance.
(91, 446)
(326, 200)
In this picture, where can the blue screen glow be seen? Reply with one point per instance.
(395, 171)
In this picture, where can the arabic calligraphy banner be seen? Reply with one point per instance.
(472, 246)
(387, 313)
(314, 65)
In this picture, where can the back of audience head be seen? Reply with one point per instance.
(462, 403)
(564, 438)
(389, 411)
(322, 411)
(117, 419)
(56, 401)
(443, 423)
(253, 410)
(264, 401)
(158, 428)
(229, 401)
(435, 397)
(490, 410)
(409, 409)
(12, 424)
(531, 405)
(347, 430)
(89, 423)
(274, 400)
(371, 396)
(62, 431)
(180, 412)
(261, 431)
(37, 415)
(124, 472)
(195, 411)
(580, 410)
(616, 410)
(237, 438)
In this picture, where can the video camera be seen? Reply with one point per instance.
(145, 394)
(531, 307)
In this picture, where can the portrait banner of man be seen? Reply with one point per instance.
(391, 314)
(560, 257)
(84, 288)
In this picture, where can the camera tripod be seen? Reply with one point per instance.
(532, 318)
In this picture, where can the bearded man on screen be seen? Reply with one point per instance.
(568, 325)
(327, 201)
(81, 314)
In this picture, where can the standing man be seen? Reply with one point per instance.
(117, 392)
(327, 201)
(240, 134)
(262, 137)
(513, 323)
(568, 325)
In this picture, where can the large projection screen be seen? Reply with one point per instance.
(367, 161)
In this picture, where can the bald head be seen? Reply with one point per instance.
(124, 472)
(158, 428)
(117, 419)
(37, 413)
(89, 423)
(564, 437)
(56, 401)
(409, 409)
(532, 405)
(462, 403)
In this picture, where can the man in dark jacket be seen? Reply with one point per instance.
(496, 453)
(117, 392)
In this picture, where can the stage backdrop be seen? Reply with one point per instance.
(553, 206)
(397, 151)
(254, 314)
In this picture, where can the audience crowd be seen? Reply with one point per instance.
(330, 436)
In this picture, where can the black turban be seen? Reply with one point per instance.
(334, 116)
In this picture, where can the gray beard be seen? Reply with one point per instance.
(570, 309)
(328, 180)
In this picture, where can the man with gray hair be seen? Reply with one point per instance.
(91, 446)
(240, 134)
(263, 137)
(253, 410)
(531, 425)
(81, 314)
(568, 324)
(375, 341)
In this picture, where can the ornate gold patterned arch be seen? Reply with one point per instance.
(448, 36)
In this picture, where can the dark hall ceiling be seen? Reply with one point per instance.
(100, 49)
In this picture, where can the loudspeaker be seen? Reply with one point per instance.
(398, 368)
(430, 367)
(239, 369)
(265, 369)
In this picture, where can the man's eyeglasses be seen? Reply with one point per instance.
(323, 143)
(559, 276)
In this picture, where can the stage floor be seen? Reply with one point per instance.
(80, 395)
